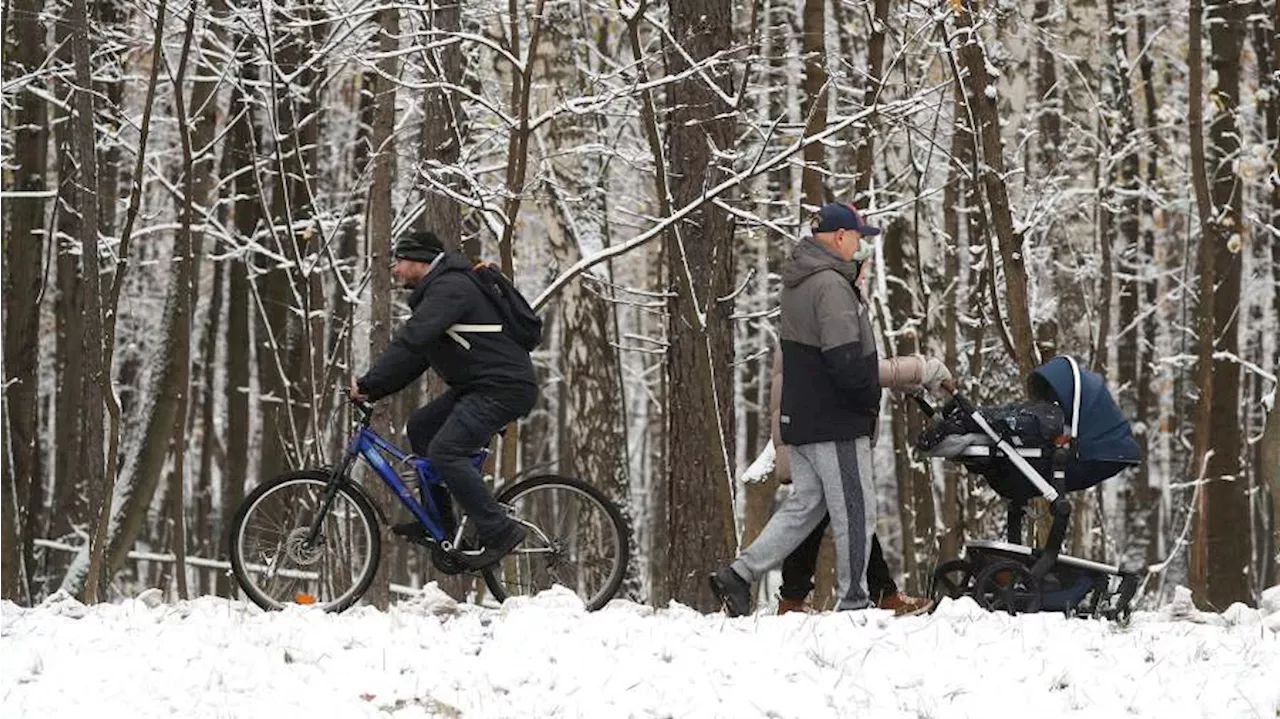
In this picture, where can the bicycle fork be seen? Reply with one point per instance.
(331, 492)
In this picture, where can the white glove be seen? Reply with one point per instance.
(936, 376)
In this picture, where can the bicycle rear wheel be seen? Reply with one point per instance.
(576, 538)
(272, 561)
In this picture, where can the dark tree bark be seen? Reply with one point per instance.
(814, 105)
(442, 129)
(184, 290)
(1049, 112)
(1222, 549)
(698, 529)
(1227, 495)
(70, 499)
(379, 236)
(24, 247)
(241, 144)
(952, 509)
(90, 463)
(1144, 525)
(870, 96)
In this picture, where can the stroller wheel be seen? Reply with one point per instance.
(1007, 586)
(951, 579)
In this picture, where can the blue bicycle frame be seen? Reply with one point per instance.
(371, 446)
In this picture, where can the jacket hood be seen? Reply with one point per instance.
(809, 258)
(447, 262)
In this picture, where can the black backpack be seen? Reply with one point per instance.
(519, 321)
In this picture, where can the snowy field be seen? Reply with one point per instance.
(544, 656)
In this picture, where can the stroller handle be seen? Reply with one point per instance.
(957, 401)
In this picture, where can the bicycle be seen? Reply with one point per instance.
(312, 536)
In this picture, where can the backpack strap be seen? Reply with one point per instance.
(455, 331)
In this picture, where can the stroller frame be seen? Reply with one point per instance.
(1018, 578)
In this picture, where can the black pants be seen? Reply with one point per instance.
(799, 567)
(451, 429)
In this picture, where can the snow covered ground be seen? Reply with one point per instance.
(544, 656)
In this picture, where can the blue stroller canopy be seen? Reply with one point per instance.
(1104, 443)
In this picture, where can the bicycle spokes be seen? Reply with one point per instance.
(574, 541)
(280, 561)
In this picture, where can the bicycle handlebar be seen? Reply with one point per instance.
(364, 410)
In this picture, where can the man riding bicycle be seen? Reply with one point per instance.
(456, 329)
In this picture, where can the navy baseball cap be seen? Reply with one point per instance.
(840, 216)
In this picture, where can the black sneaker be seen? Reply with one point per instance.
(413, 532)
(493, 550)
(733, 591)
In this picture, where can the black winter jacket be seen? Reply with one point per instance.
(454, 328)
(830, 366)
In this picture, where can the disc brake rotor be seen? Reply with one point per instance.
(296, 548)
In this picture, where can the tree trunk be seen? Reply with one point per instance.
(442, 132)
(953, 515)
(181, 330)
(380, 219)
(24, 247)
(593, 437)
(814, 104)
(981, 94)
(1049, 110)
(284, 323)
(1222, 547)
(698, 529)
(71, 511)
(90, 460)
(1226, 494)
(208, 522)
(241, 145)
(1269, 471)
(870, 96)
(1144, 526)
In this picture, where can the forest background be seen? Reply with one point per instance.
(200, 197)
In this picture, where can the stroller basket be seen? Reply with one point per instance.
(1068, 436)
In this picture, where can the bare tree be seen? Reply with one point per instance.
(698, 529)
(24, 277)
(814, 47)
(90, 463)
(240, 144)
(981, 102)
(593, 431)
(1221, 550)
(379, 229)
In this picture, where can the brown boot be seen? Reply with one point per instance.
(903, 604)
(793, 605)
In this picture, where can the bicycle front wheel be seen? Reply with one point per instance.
(274, 563)
(576, 538)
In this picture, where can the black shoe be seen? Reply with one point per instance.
(493, 550)
(413, 532)
(733, 591)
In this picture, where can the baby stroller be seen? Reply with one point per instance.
(1068, 437)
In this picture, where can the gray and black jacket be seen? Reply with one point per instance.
(455, 329)
(831, 374)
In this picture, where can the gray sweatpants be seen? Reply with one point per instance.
(830, 477)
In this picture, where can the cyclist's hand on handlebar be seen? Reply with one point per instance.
(355, 394)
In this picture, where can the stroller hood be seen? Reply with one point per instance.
(1105, 443)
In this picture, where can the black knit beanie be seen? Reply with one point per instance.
(419, 246)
